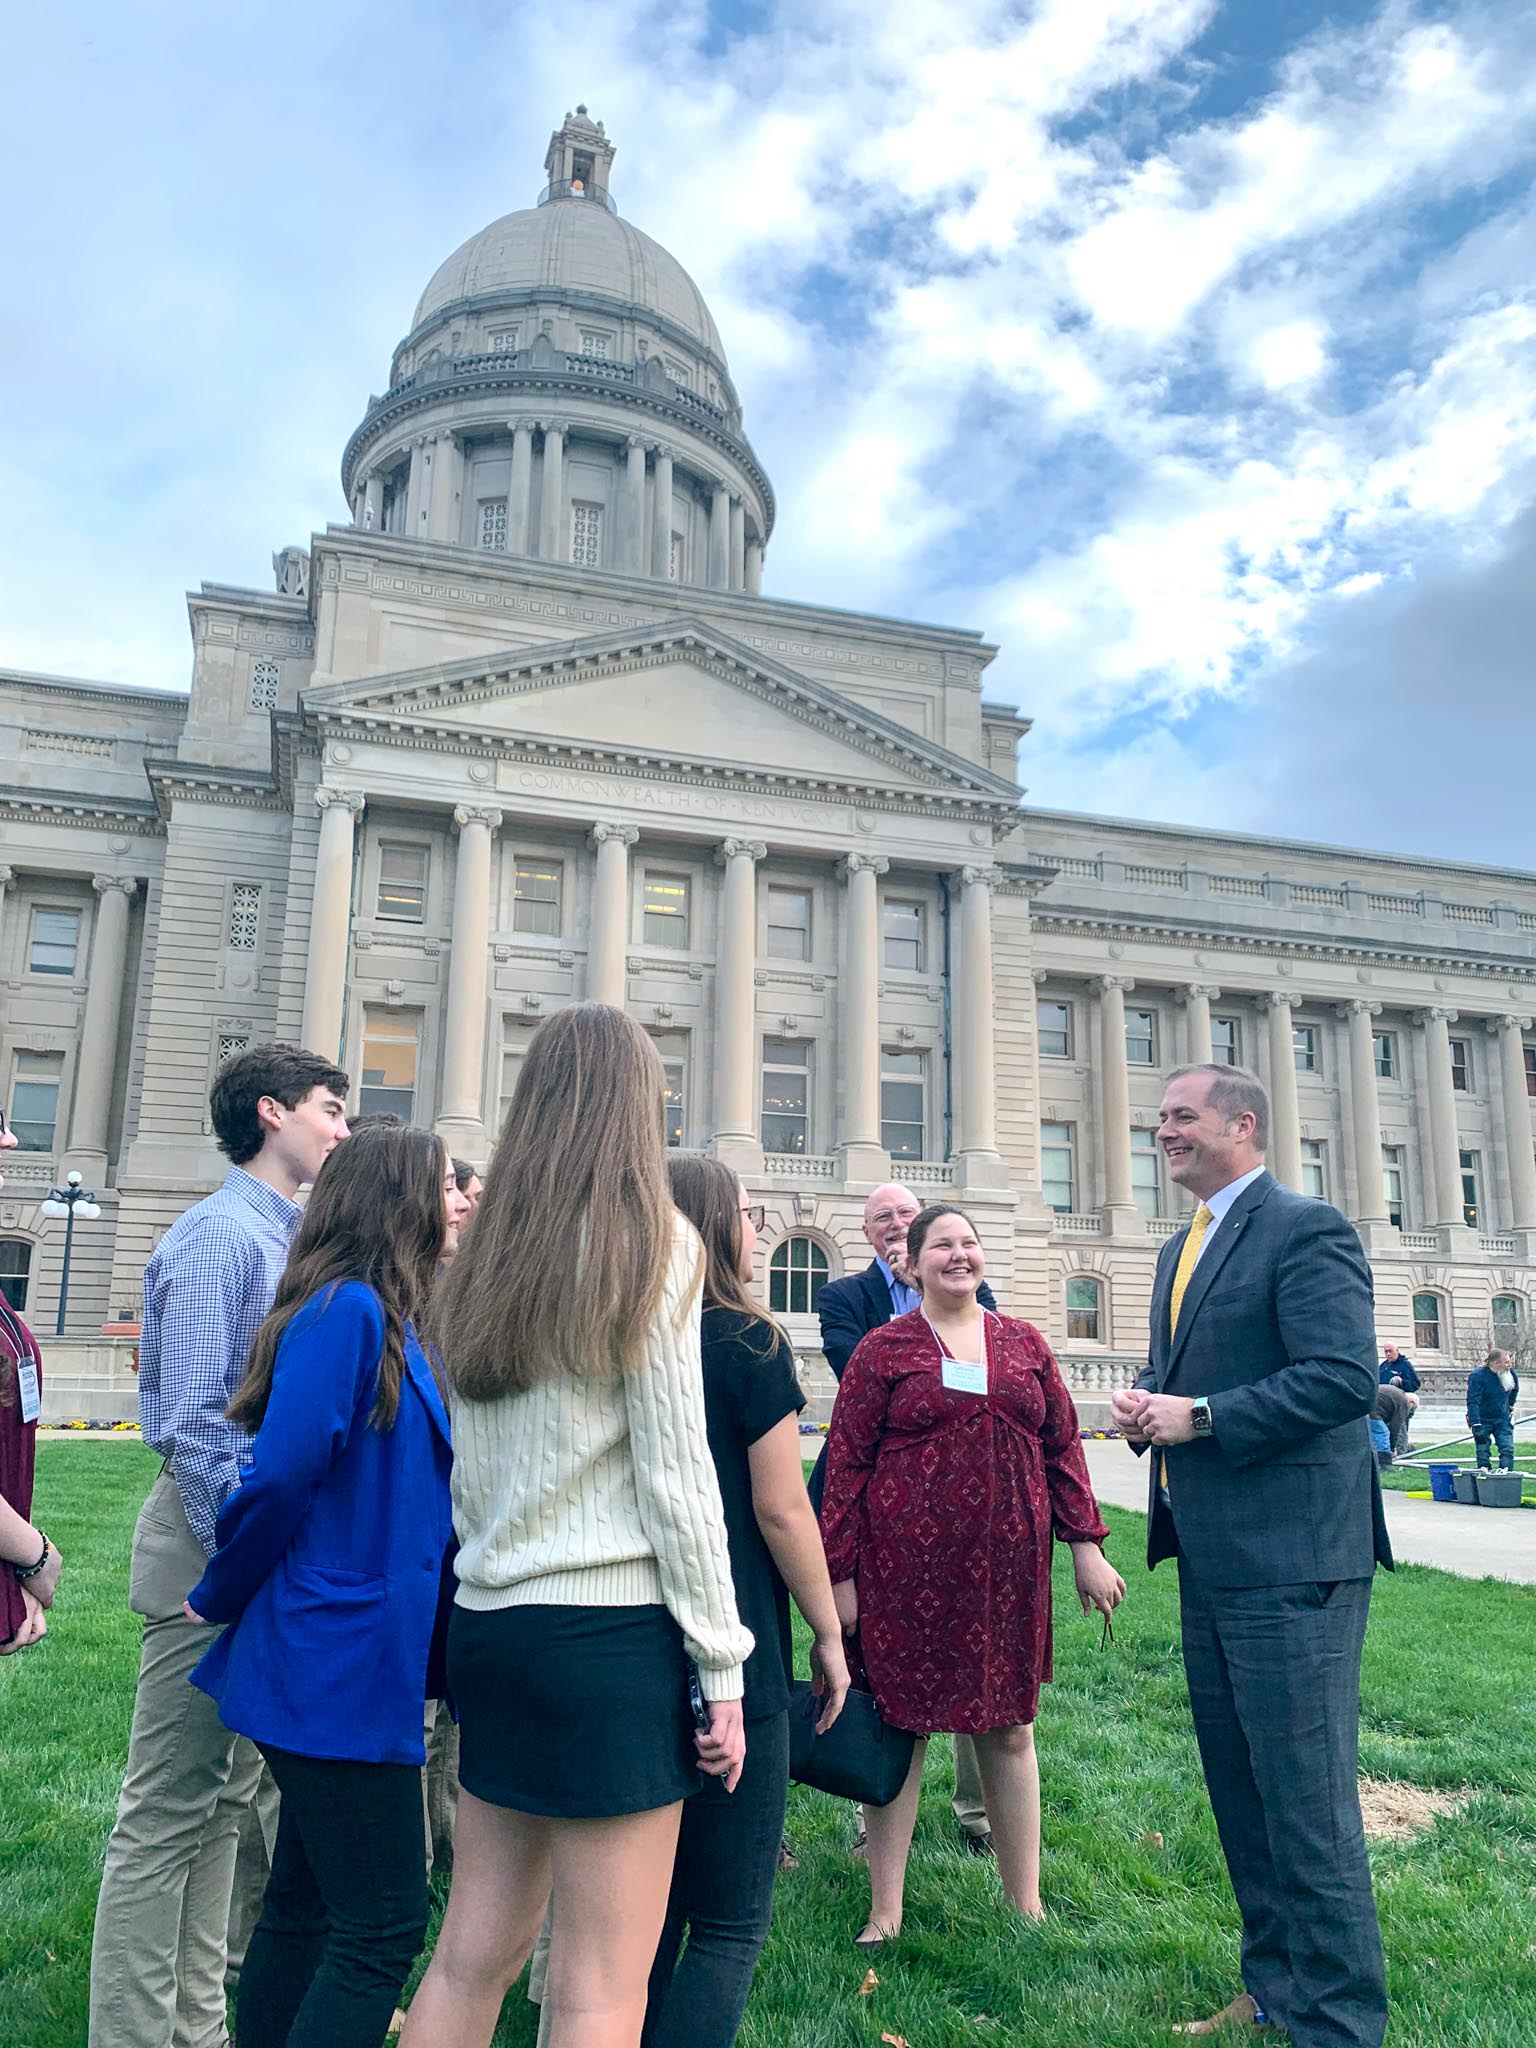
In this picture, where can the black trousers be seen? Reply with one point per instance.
(1274, 1683)
(345, 1912)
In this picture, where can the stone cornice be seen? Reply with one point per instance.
(83, 689)
(1212, 939)
(201, 781)
(95, 813)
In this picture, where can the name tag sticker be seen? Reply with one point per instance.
(31, 1395)
(964, 1379)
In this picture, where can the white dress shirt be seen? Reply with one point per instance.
(1220, 1203)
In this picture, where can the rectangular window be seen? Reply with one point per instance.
(515, 1036)
(1140, 1039)
(903, 1103)
(493, 525)
(1314, 1169)
(666, 911)
(402, 895)
(673, 1047)
(1146, 1174)
(1053, 1023)
(675, 559)
(1530, 1069)
(587, 536)
(536, 897)
(595, 344)
(1304, 1042)
(503, 342)
(786, 1095)
(35, 1081)
(230, 1045)
(1084, 1314)
(789, 924)
(1057, 1176)
(55, 947)
(1386, 1055)
(264, 680)
(1226, 1047)
(244, 917)
(1427, 1330)
(391, 1048)
(1471, 1208)
(1392, 1182)
(1461, 1065)
(903, 930)
(15, 1271)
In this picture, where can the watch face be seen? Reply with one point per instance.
(1200, 1417)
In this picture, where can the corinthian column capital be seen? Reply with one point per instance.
(1358, 1006)
(1105, 982)
(625, 834)
(102, 883)
(860, 863)
(753, 850)
(1436, 1014)
(477, 814)
(351, 800)
(1518, 1026)
(1198, 991)
(1282, 999)
(988, 877)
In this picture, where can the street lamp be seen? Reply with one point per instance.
(67, 1201)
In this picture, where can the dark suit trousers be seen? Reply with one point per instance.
(1274, 1683)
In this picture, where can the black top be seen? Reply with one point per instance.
(749, 1387)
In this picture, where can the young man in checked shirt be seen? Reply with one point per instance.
(157, 1962)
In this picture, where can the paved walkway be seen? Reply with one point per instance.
(1475, 1543)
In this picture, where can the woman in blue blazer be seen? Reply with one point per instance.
(328, 1568)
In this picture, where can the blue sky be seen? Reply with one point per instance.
(1186, 349)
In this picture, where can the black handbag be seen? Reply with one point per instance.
(860, 1757)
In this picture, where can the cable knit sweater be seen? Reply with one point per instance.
(602, 1492)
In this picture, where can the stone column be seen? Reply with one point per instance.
(1444, 1144)
(864, 1157)
(443, 514)
(7, 876)
(1284, 1113)
(373, 505)
(1115, 1106)
(634, 507)
(719, 538)
(661, 516)
(1197, 1023)
(461, 1119)
(416, 490)
(325, 976)
(608, 935)
(1517, 1120)
(1365, 1110)
(103, 1017)
(978, 1162)
(520, 489)
(738, 545)
(754, 566)
(552, 499)
(735, 1137)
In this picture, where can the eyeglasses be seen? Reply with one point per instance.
(884, 1216)
(756, 1214)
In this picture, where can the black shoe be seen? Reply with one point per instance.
(981, 1845)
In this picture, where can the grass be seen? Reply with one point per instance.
(1413, 1477)
(1137, 1935)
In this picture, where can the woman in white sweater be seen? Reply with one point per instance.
(593, 1566)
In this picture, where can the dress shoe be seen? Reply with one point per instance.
(981, 1844)
(1244, 2011)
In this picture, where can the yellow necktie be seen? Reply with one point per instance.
(1202, 1222)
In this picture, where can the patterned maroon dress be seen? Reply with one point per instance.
(17, 1441)
(942, 1506)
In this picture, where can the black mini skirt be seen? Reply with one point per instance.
(576, 1713)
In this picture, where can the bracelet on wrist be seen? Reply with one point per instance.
(30, 1571)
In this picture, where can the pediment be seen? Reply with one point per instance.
(682, 691)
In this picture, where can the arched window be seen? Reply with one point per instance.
(15, 1271)
(1085, 1310)
(1429, 1322)
(797, 1272)
(1508, 1319)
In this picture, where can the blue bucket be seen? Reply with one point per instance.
(1442, 1482)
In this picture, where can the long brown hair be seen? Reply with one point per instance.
(375, 1214)
(709, 1195)
(565, 1267)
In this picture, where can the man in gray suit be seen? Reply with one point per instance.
(1262, 1484)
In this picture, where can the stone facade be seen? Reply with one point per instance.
(462, 766)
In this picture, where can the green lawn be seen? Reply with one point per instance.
(1413, 1477)
(1137, 1934)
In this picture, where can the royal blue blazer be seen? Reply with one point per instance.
(330, 1551)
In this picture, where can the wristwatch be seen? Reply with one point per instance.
(1200, 1417)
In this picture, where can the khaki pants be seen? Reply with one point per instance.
(440, 1786)
(970, 1809)
(164, 1912)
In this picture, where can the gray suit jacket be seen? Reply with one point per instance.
(1277, 1331)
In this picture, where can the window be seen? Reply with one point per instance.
(1470, 1207)
(666, 911)
(15, 1271)
(1140, 1042)
(1508, 1317)
(264, 676)
(1056, 1166)
(903, 1103)
(391, 1046)
(797, 1272)
(1226, 1047)
(786, 1095)
(244, 917)
(1530, 1069)
(1461, 1065)
(230, 1044)
(1392, 1183)
(595, 345)
(493, 525)
(515, 1037)
(503, 342)
(35, 1079)
(1386, 1055)
(1053, 1023)
(402, 895)
(1304, 1044)
(673, 1047)
(1427, 1331)
(1314, 1169)
(903, 929)
(789, 924)
(587, 535)
(1085, 1314)
(55, 945)
(675, 559)
(536, 897)
(1146, 1182)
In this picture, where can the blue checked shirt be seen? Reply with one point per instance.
(207, 1290)
(903, 1297)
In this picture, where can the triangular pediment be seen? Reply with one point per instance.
(681, 691)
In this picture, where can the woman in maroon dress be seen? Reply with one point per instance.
(953, 1459)
(29, 1564)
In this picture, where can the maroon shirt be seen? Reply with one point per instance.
(17, 1446)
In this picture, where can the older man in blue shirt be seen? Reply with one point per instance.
(158, 1958)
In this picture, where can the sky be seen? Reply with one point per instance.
(1186, 349)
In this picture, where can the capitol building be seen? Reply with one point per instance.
(526, 728)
